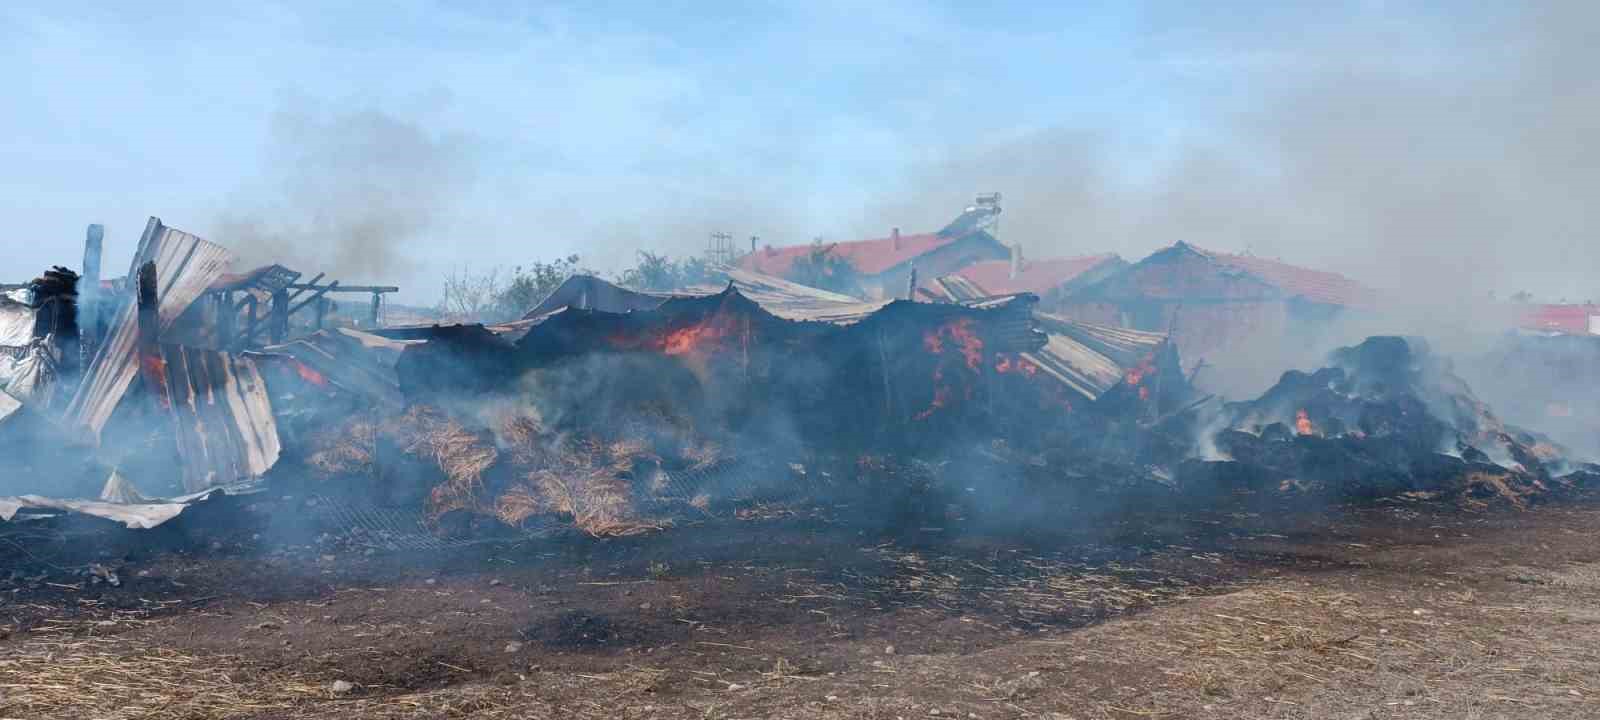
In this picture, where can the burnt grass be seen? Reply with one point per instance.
(719, 599)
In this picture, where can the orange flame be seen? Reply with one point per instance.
(1006, 364)
(309, 375)
(941, 396)
(1137, 373)
(699, 338)
(1302, 423)
(154, 369)
(960, 332)
(695, 337)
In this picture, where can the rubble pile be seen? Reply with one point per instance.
(616, 412)
(1386, 417)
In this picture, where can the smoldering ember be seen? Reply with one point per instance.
(821, 480)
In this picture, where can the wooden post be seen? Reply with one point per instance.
(151, 367)
(88, 291)
(252, 320)
(278, 330)
(377, 306)
(227, 317)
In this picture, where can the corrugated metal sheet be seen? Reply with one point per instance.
(793, 301)
(1121, 345)
(351, 360)
(787, 300)
(9, 406)
(586, 292)
(134, 516)
(268, 280)
(952, 288)
(16, 323)
(185, 266)
(223, 417)
(1091, 359)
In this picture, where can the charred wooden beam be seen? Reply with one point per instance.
(301, 289)
(278, 329)
(315, 296)
(89, 326)
(227, 317)
(378, 289)
(149, 334)
(377, 307)
(252, 320)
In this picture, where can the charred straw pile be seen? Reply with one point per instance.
(1386, 417)
(624, 424)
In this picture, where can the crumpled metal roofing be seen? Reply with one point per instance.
(587, 292)
(793, 301)
(785, 299)
(223, 417)
(185, 267)
(351, 360)
(1091, 359)
(9, 406)
(16, 323)
(134, 516)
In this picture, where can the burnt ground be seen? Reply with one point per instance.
(1402, 609)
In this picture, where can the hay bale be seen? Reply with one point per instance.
(462, 455)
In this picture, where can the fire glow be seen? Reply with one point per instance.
(309, 375)
(1008, 364)
(958, 333)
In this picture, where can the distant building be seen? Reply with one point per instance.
(882, 267)
(1563, 319)
(1051, 279)
(1211, 301)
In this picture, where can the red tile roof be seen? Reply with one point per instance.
(1314, 285)
(869, 257)
(1572, 319)
(1037, 276)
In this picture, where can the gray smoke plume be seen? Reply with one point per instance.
(353, 195)
(1435, 159)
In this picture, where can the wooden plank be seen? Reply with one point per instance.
(299, 289)
(351, 288)
(330, 287)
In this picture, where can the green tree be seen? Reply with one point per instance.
(531, 284)
(660, 273)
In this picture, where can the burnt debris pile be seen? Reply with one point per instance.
(1386, 417)
(615, 412)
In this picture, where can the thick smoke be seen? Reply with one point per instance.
(1441, 167)
(354, 195)
(1429, 166)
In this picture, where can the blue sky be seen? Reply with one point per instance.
(449, 133)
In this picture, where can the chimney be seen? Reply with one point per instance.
(894, 238)
(1016, 260)
(753, 240)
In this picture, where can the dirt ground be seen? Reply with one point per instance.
(1403, 609)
